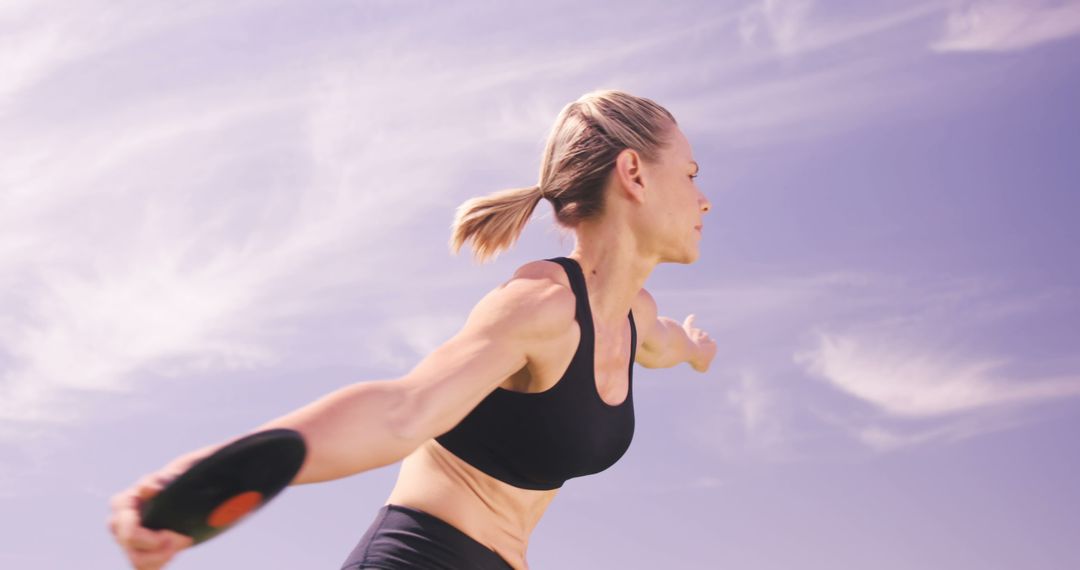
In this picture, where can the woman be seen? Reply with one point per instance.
(537, 386)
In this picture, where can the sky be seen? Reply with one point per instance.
(214, 213)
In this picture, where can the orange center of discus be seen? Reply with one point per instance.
(232, 510)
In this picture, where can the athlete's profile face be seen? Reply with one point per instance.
(684, 204)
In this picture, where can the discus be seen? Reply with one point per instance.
(221, 489)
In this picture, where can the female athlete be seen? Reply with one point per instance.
(536, 388)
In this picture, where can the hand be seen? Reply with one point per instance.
(148, 549)
(705, 346)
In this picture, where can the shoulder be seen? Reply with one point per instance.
(536, 302)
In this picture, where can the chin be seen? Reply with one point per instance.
(684, 256)
(685, 259)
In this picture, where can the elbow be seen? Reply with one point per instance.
(424, 413)
(649, 357)
(410, 418)
(400, 424)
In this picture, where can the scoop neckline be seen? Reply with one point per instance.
(592, 335)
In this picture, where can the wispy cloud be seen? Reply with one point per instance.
(780, 24)
(780, 79)
(900, 362)
(886, 438)
(768, 418)
(187, 279)
(791, 28)
(176, 234)
(402, 342)
(42, 37)
(916, 392)
(114, 263)
(918, 381)
(1008, 25)
(752, 401)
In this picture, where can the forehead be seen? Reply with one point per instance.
(678, 146)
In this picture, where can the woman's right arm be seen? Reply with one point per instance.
(371, 424)
(376, 423)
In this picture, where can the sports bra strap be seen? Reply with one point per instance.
(577, 285)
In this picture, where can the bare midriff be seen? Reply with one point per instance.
(495, 514)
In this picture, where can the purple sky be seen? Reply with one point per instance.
(213, 213)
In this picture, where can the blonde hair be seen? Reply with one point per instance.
(580, 153)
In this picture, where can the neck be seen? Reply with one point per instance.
(615, 269)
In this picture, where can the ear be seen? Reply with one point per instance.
(628, 174)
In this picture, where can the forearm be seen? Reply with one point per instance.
(678, 347)
(354, 429)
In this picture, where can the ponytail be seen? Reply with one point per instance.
(578, 158)
(493, 222)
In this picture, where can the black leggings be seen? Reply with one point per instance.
(402, 538)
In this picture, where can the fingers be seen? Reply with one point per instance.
(125, 507)
(153, 483)
(708, 347)
(148, 561)
(130, 533)
(692, 331)
(181, 540)
(143, 490)
(146, 549)
(153, 559)
(159, 542)
(688, 323)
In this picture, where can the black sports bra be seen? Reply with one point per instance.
(538, 440)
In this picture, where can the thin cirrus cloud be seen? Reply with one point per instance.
(1008, 25)
(890, 347)
(187, 278)
(919, 382)
(923, 395)
(111, 272)
(816, 96)
(762, 414)
(792, 28)
(894, 356)
(891, 438)
(142, 258)
(779, 23)
(42, 37)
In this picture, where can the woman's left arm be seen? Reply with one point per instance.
(666, 343)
